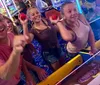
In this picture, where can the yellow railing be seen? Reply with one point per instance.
(63, 71)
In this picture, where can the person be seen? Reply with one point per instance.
(32, 72)
(43, 31)
(42, 6)
(75, 30)
(10, 55)
(11, 58)
(10, 26)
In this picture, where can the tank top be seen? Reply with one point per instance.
(47, 37)
(82, 38)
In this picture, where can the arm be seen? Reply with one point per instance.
(8, 69)
(40, 72)
(66, 34)
(26, 33)
(28, 76)
(29, 65)
(25, 29)
(91, 38)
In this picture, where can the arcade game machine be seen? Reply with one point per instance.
(10, 7)
(83, 69)
(3, 9)
(91, 9)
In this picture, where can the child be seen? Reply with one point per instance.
(75, 29)
(11, 28)
(43, 31)
(10, 55)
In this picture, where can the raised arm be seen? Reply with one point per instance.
(42, 74)
(67, 35)
(9, 67)
(25, 29)
(28, 76)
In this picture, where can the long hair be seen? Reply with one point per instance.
(15, 29)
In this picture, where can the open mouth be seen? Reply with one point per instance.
(2, 29)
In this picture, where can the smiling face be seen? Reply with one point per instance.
(35, 15)
(70, 12)
(9, 25)
(3, 29)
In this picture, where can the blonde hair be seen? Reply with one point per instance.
(29, 10)
(15, 29)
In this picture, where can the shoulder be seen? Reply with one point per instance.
(83, 19)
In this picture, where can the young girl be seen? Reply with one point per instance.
(46, 34)
(75, 29)
(10, 26)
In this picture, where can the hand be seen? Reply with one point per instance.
(29, 80)
(93, 51)
(42, 74)
(54, 19)
(19, 43)
(23, 22)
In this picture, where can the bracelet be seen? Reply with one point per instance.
(58, 21)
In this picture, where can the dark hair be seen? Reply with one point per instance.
(63, 5)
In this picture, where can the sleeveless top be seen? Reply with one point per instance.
(82, 35)
(47, 37)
